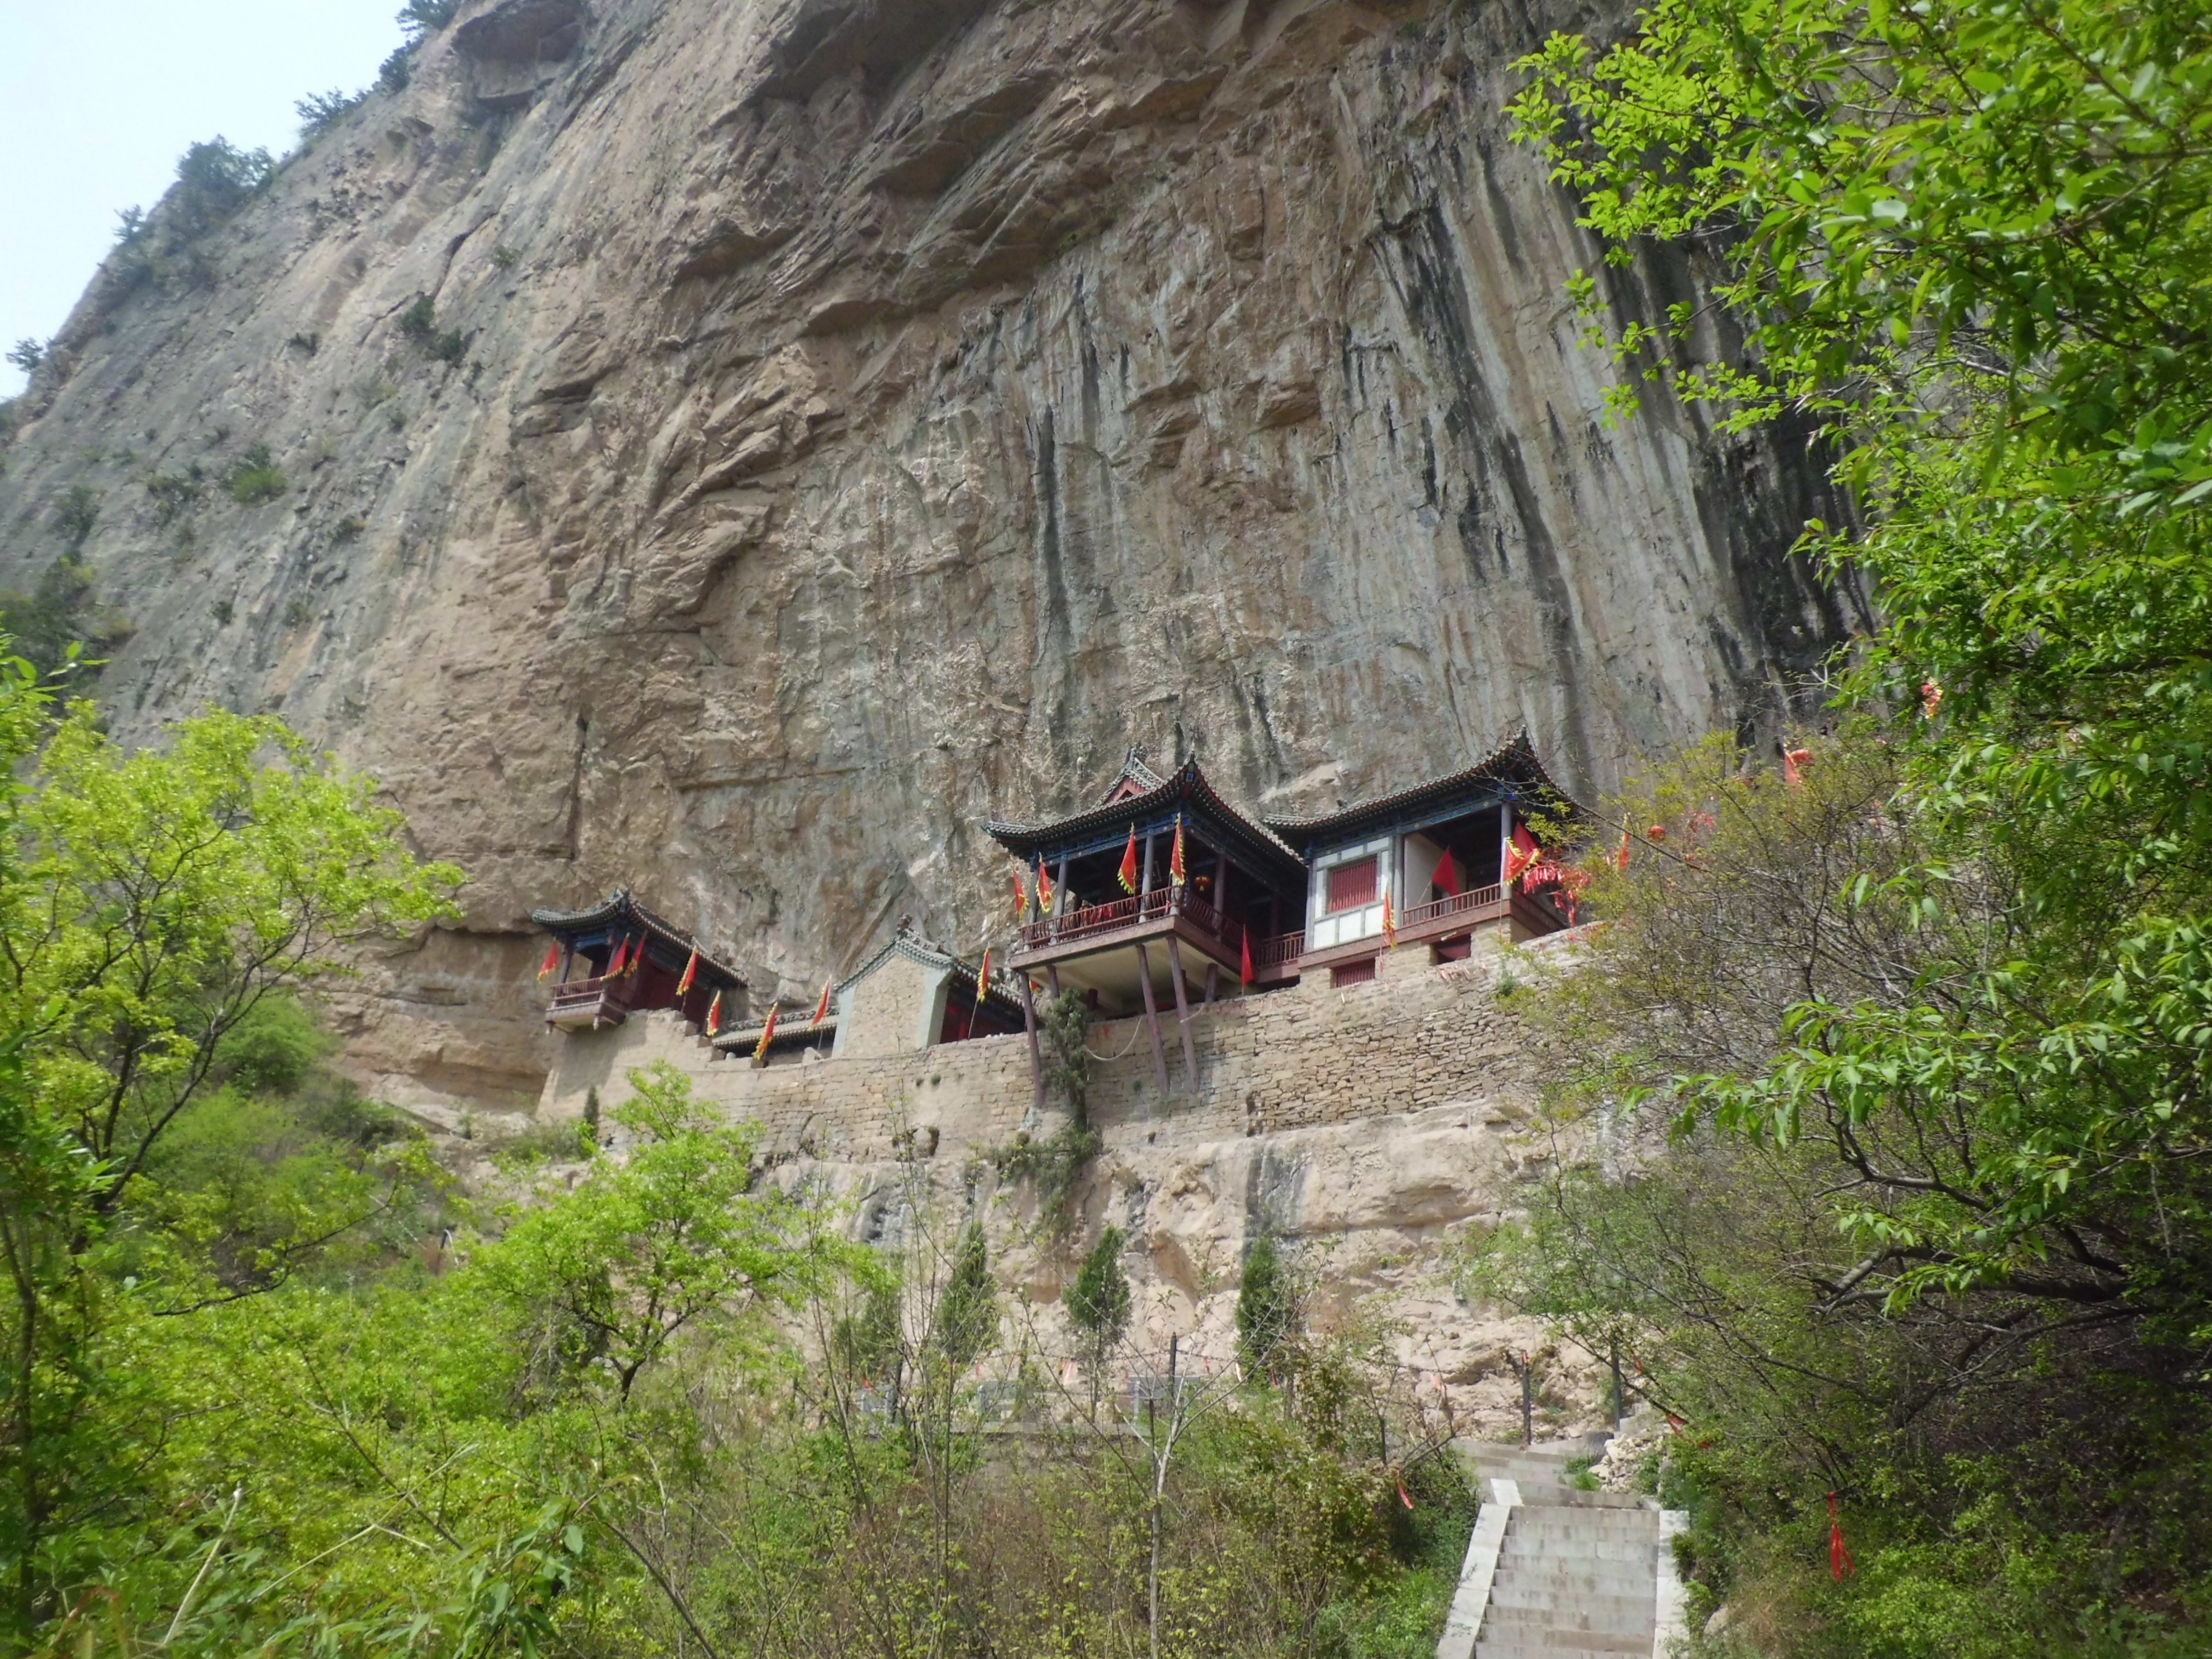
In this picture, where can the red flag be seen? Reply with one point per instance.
(1524, 853)
(1021, 897)
(1621, 852)
(615, 966)
(983, 976)
(1175, 872)
(1248, 955)
(768, 1036)
(1389, 924)
(636, 956)
(715, 1015)
(690, 969)
(1044, 889)
(1129, 863)
(1794, 762)
(1448, 875)
(552, 960)
(821, 1008)
(1839, 1556)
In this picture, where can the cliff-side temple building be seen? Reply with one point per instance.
(1428, 866)
(1296, 1027)
(1159, 899)
(631, 961)
(1157, 893)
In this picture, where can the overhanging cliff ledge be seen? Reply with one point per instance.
(742, 448)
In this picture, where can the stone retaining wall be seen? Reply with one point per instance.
(1420, 1034)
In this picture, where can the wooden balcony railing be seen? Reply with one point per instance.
(1273, 952)
(1096, 921)
(589, 998)
(1452, 905)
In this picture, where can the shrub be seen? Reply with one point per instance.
(419, 323)
(223, 611)
(1267, 1305)
(505, 256)
(273, 1048)
(77, 514)
(215, 179)
(392, 74)
(254, 477)
(318, 112)
(62, 613)
(421, 17)
(175, 493)
(348, 528)
(27, 355)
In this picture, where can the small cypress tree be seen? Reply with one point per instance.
(866, 1341)
(1267, 1305)
(967, 1312)
(1098, 1302)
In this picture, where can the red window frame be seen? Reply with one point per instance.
(1353, 885)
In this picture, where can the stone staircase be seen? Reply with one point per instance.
(1555, 1573)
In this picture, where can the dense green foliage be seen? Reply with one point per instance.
(1933, 1028)
(274, 1385)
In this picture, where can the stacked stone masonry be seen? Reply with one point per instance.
(1374, 1128)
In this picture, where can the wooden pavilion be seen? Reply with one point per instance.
(1429, 865)
(1110, 914)
(632, 960)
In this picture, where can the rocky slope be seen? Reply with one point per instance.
(835, 422)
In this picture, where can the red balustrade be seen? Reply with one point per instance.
(1091, 921)
(1452, 904)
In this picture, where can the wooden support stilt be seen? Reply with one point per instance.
(1213, 982)
(1151, 1015)
(1182, 1012)
(1036, 1057)
(1052, 978)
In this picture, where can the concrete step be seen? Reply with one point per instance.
(1618, 1597)
(1565, 1547)
(1556, 1642)
(1607, 1533)
(1574, 1617)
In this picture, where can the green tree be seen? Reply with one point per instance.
(1968, 236)
(1965, 240)
(1267, 1306)
(966, 1323)
(1098, 1302)
(148, 902)
(665, 1243)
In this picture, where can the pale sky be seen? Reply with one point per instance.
(99, 98)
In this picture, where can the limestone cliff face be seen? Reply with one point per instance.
(869, 416)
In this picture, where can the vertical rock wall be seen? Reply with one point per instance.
(836, 422)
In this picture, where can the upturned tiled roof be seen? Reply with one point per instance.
(1187, 786)
(1514, 765)
(621, 908)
